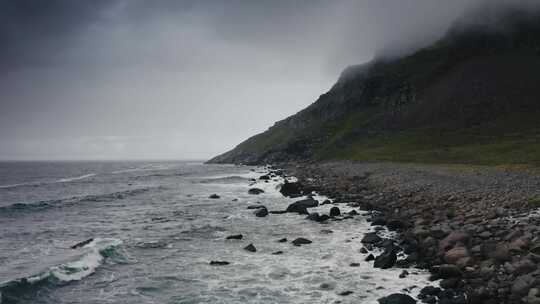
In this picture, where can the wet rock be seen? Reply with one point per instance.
(353, 212)
(371, 238)
(429, 291)
(397, 298)
(81, 244)
(291, 189)
(214, 196)
(533, 296)
(323, 218)
(378, 221)
(454, 255)
(447, 271)
(277, 212)
(250, 248)
(327, 231)
(251, 207)
(385, 260)
(219, 263)
(403, 274)
(301, 206)
(334, 211)
(449, 283)
(521, 285)
(327, 286)
(283, 240)
(452, 239)
(500, 254)
(394, 225)
(363, 250)
(326, 202)
(235, 237)
(301, 241)
(370, 257)
(261, 212)
(313, 217)
(522, 267)
(345, 293)
(264, 177)
(277, 252)
(255, 191)
(354, 264)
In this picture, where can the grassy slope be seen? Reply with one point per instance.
(510, 140)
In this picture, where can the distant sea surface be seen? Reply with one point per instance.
(154, 231)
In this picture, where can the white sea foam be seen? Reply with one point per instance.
(39, 183)
(71, 179)
(315, 272)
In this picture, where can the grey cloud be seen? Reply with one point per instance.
(173, 79)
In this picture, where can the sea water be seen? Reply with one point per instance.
(155, 230)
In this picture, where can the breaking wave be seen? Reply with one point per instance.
(41, 183)
(233, 179)
(92, 256)
(107, 197)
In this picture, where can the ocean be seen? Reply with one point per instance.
(152, 232)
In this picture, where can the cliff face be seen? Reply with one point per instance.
(477, 86)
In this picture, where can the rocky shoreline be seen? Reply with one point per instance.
(474, 229)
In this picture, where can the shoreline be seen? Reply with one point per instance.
(483, 249)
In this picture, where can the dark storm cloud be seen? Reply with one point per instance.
(35, 32)
(173, 79)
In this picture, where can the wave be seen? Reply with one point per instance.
(71, 179)
(107, 197)
(41, 183)
(92, 256)
(233, 179)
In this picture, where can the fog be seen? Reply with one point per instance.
(129, 79)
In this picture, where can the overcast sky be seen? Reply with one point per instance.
(133, 79)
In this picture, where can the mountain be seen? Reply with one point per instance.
(471, 97)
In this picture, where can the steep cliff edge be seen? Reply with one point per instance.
(472, 97)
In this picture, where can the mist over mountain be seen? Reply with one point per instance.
(469, 97)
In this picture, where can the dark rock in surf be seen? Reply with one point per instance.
(313, 217)
(235, 237)
(447, 271)
(82, 244)
(277, 211)
(394, 225)
(277, 252)
(255, 191)
(334, 211)
(370, 257)
(386, 260)
(283, 240)
(397, 298)
(371, 238)
(219, 263)
(345, 293)
(250, 248)
(214, 196)
(291, 189)
(301, 206)
(261, 212)
(323, 218)
(264, 177)
(255, 207)
(353, 212)
(301, 241)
